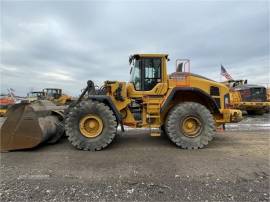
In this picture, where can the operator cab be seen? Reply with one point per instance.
(53, 92)
(36, 94)
(146, 70)
(235, 83)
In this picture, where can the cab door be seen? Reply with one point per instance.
(148, 87)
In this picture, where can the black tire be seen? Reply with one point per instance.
(255, 112)
(163, 131)
(250, 112)
(181, 112)
(260, 112)
(74, 134)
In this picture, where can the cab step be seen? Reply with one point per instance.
(155, 133)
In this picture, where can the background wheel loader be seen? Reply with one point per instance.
(247, 97)
(187, 107)
(53, 94)
(35, 95)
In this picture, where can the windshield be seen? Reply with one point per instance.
(52, 92)
(34, 94)
(135, 75)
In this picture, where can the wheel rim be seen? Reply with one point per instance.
(191, 126)
(91, 126)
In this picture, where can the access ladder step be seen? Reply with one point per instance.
(155, 134)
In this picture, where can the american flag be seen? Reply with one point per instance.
(224, 73)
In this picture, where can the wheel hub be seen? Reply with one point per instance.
(191, 126)
(91, 126)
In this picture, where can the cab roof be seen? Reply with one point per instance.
(36, 92)
(150, 55)
(52, 89)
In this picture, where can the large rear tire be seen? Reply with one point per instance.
(190, 125)
(91, 125)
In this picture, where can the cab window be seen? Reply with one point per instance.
(152, 73)
(145, 73)
(135, 76)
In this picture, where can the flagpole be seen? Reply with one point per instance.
(220, 75)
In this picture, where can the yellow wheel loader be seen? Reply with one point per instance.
(56, 95)
(52, 94)
(185, 106)
(35, 95)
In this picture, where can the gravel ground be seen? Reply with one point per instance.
(137, 167)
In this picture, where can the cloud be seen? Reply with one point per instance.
(58, 75)
(65, 43)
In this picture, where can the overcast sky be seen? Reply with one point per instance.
(65, 43)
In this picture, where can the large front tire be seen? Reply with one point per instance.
(190, 125)
(91, 125)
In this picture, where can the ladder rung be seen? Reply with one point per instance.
(155, 134)
(153, 116)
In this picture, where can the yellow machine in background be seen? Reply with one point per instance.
(52, 94)
(3, 110)
(35, 95)
(187, 107)
(6, 101)
(250, 98)
(56, 95)
(268, 94)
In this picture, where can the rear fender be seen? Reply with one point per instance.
(203, 95)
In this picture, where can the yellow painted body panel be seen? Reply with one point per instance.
(62, 100)
(202, 84)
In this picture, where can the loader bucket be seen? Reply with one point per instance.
(28, 125)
